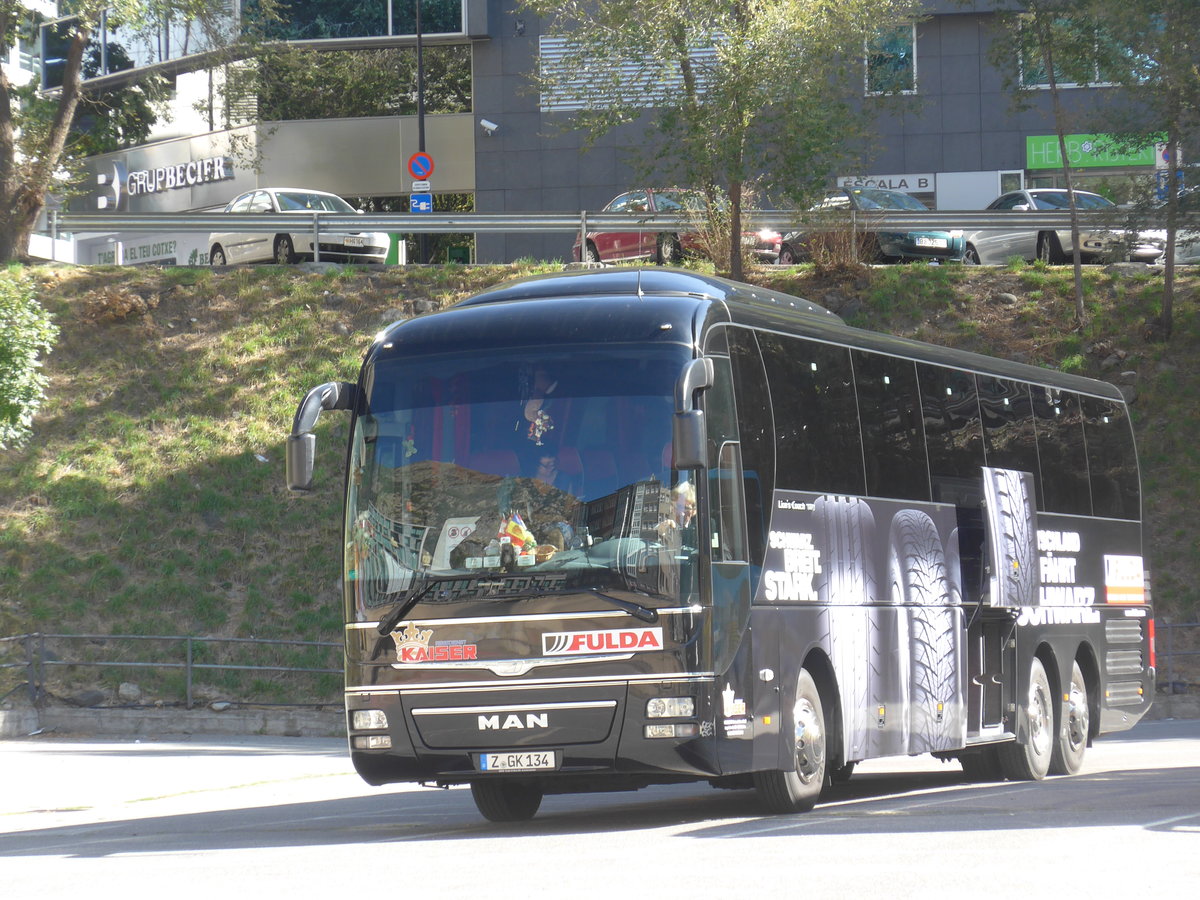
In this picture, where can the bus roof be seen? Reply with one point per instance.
(747, 305)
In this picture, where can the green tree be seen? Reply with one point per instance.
(742, 91)
(1037, 49)
(35, 137)
(1150, 48)
(26, 335)
(303, 83)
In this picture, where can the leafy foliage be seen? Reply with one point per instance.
(27, 333)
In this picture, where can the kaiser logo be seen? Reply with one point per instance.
(412, 646)
(609, 640)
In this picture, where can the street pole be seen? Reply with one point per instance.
(423, 255)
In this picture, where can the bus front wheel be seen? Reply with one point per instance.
(797, 790)
(506, 801)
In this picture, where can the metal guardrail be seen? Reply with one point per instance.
(444, 223)
(37, 657)
(1167, 630)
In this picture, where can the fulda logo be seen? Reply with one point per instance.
(609, 640)
(512, 720)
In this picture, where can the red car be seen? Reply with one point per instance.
(663, 247)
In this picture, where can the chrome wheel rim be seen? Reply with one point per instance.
(810, 741)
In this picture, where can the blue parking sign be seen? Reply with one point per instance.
(420, 203)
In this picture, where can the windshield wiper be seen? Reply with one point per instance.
(634, 609)
(415, 595)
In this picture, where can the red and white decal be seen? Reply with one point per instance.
(609, 640)
(1124, 579)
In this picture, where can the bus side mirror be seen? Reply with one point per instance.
(689, 449)
(301, 447)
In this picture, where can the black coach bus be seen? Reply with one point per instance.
(620, 527)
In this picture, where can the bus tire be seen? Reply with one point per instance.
(1028, 759)
(1071, 743)
(797, 790)
(1018, 563)
(847, 590)
(917, 572)
(506, 801)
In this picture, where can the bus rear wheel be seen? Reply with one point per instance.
(797, 790)
(1071, 742)
(1028, 758)
(506, 801)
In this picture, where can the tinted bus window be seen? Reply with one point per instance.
(893, 436)
(756, 431)
(1061, 451)
(816, 415)
(953, 434)
(1112, 462)
(1009, 438)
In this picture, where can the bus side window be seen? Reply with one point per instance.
(818, 447)
(953, 436)
(727, 506)
(1008, 431)
(756, 434)
(893, 438)
(1062, 452)
(1110, 453)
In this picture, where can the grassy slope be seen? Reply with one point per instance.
(151, 499)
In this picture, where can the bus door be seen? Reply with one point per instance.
(725, 519)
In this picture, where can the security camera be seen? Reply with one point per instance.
(488, 125)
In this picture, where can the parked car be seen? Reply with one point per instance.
(1149, 245)
(995, 246)
(884, 246)
(663, 247)
(226, 247)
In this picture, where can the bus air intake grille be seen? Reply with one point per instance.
(1123, 662)
(1124, 693)
(1123, 631)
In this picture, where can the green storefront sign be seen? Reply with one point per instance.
(1084, 151)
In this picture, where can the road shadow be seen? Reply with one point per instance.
(872, 803)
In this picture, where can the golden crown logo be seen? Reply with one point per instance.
(412, 636)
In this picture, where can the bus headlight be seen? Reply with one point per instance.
(368, 720)
(671, 708)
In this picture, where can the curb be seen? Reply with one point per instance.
(153, 723)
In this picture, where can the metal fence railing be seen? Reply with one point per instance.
(38, 652)
(1169, 654)
(582, 222)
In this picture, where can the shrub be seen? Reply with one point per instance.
(26, 335)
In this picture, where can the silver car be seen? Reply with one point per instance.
(1150, 245)
(227, 247)
(995, 246)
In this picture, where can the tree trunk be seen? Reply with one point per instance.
(735, 231)
(1060, 129)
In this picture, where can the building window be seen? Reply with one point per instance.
(890, 61)
(1085, 55)
(571, 83)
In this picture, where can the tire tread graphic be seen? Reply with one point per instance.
(1018, 560)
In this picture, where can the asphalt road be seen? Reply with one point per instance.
(289, 818)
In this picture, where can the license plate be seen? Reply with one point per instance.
(517, 762)
(931, 242)
(354, 240)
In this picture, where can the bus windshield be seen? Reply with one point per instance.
(515, 473)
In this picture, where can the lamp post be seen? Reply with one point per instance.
(424, 251)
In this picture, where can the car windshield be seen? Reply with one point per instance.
(672, 201)
(868, 198)
(290, 201)
(514, 468)
(1060, 200)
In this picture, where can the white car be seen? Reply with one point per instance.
(228, 247)
(994, 246)
(1151, 245)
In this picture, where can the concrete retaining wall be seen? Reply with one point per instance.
(166, 722)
